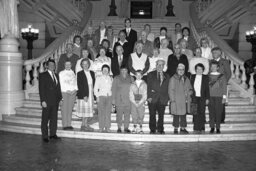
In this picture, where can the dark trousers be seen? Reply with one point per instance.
(179, 121)
(159, 108)
(199, 119)
(215, 111)
(223, 115)
(49, 114)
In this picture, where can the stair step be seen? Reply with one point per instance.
(37, 112)
(229, 108)
(168, 137)
(228, 126)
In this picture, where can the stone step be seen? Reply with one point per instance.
(37, 112)
(138, 138)
(228, 126)
(229, 108)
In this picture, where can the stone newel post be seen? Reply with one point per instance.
(11, 93)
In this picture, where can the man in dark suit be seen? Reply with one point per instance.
(131, 35)
(224, 69)
(50, 96)
(157, 96)
(118, 60)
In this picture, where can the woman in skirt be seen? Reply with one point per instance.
(85, 83)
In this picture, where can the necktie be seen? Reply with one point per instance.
(128, 32)
(161, 77)
(54, 80)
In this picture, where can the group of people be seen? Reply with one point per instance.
(128, 73)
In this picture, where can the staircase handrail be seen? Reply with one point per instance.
(238, 77)
(53, 51)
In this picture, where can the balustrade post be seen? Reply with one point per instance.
(112, 8)
(251, 84)
(28, 68)
(237, 74)
(232, 69)
(169, 8)
(243, 84)
(41, 69)
(35, 74)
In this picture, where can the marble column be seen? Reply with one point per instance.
(11, 63)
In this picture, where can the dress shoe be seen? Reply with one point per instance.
(127, 131)
(70, 128)
(119, 130)
(161, 132)
(152, 132)
(184, 131)
(218, 131)
(212, 131)
(55, 137)
(175, 131)
(46, 140)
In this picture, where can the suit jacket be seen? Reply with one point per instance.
(205, 92)
(82, 84)
(49, 92)
(224, 68)
(125, 53)
(155, 91)
(132, 38)
(115, 67)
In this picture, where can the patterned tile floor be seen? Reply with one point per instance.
(21, 152)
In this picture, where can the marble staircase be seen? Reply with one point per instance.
(240, 124)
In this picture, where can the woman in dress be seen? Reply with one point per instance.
(84, 55)
(85, 99)
(205, 48)
(103, 93)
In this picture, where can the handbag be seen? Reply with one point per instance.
(137, 97)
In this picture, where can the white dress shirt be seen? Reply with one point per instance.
(53, 75)
(197, 85)
(102, 35)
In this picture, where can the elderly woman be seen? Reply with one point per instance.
(175, 59)
(165, 52)
(77, 41)
(138, 61)
(69, 55)
(201, 96)
(100, 61)
(92, 49)
(163, 35)
(85, 82)
(147, 45)
(198, 59)
(179, 91)
(68, 88)
(185, 50)
(150, 35)
(84, 55)
(103, 93)
(120, 93)
(205, 48)
(111, 38)
(106, 44)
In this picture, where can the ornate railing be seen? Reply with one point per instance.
(238, 78)
(35, 66)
